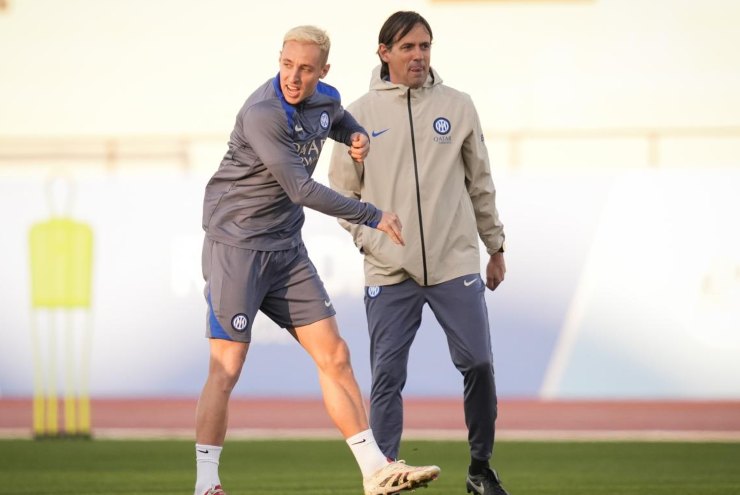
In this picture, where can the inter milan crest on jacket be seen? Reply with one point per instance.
(442, 127)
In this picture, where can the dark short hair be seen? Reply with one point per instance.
(397, 26)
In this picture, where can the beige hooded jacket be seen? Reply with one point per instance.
(428, 163)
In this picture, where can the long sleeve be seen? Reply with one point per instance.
(276, 151)
(480, 186)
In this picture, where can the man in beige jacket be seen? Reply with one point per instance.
(429, 164)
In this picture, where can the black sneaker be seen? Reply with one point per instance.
(487, 483)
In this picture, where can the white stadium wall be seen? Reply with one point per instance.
(616, 287)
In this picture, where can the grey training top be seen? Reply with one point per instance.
(255, 199)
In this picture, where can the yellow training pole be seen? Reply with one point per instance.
(70, 399)
(84, 398)
(39, 411)
(52, 400)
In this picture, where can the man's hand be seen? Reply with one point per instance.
(495, 270)
(391, 225)
(360, 147)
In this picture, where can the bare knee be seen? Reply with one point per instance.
(335, 361)
(224, 379)
(225, 367)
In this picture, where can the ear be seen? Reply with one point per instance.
(325, 71)
(383, 52)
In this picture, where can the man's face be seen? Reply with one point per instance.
(408, 58)
(301, 67)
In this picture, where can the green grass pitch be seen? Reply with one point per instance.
(319, 467)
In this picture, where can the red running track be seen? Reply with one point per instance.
(424, 418)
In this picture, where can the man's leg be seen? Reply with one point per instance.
(343, 401)
(211, 417)
(393, 316)
(461, 310)
(342, 396)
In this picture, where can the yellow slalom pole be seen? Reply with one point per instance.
(39, 411)
(70, 413)
(52, 406)
(84, 398)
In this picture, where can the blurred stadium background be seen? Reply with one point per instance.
(614, 133)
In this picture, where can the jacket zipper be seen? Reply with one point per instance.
(418, 190)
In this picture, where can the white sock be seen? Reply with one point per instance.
(366, 452)
(206, 465)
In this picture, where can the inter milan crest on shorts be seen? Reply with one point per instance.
(373, 291)
(239, 322)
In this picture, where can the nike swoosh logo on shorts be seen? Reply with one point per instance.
(378, 133)
(327, 303)
(468, 283)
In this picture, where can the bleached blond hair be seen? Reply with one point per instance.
(310, 34)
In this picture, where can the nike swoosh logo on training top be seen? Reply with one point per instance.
(468, 283)
(378, 133)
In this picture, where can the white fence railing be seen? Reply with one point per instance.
(651, 147)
